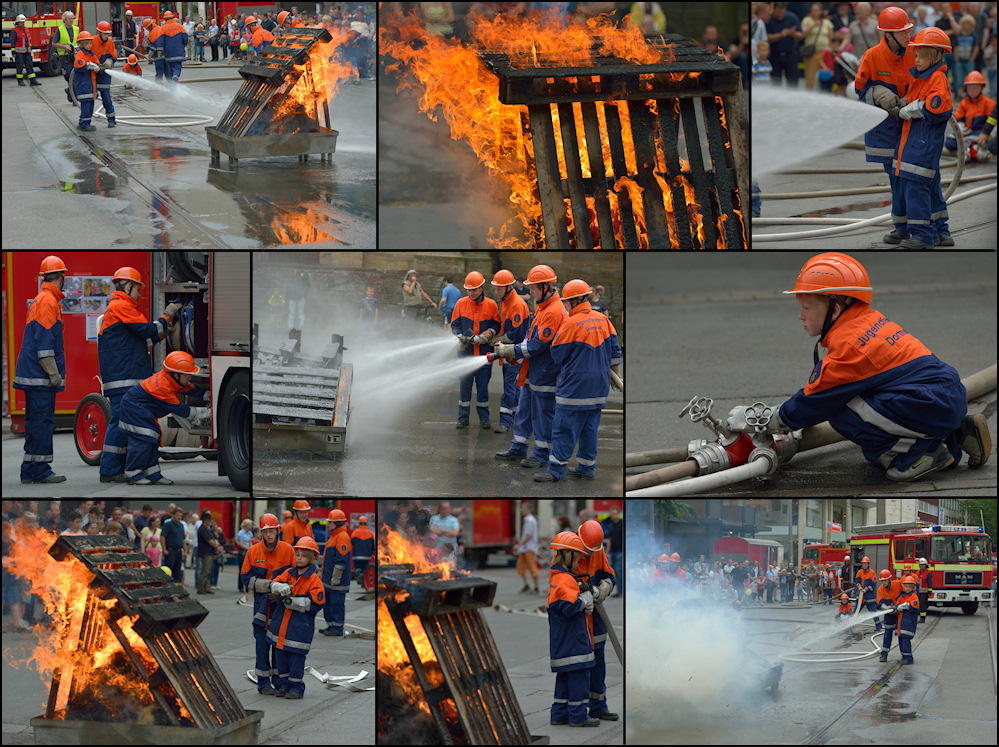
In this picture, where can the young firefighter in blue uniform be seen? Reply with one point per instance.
(41, 372)
(264, 562)
(570, 635)
(86, 65)
(867, 583)
(883, 79)
(147, 401)
(907, 608)
(291, 631)
(595, 570)
(888, 590)
(536, 405)
(515, 319)
(585, 349)
(475, 317)
(172, 45)
(123, 356)
(878, 386)
(917, 163)
(336, 573)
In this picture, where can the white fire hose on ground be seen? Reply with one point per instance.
(186, 120)
(859, 223)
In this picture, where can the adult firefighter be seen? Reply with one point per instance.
(923, 577)
(291, 631)
(536, 405)
(883, 80)
(474, 321)
(336, 573)
(144, 404)
(264, 562)
(22, 52)
(570, 633)
(41, 372)
(585, 349)
(515, 320)
(123, 356)
(597, 572)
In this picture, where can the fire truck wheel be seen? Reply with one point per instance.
(369, 577)
(234, 430)
(91, 423)
(53, 62)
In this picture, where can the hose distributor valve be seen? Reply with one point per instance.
(729, 449)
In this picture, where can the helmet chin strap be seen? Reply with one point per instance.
(901, 51)
(826, 326)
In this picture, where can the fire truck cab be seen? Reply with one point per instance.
(959, 558)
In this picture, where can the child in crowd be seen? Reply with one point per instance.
(762, 68)
(971, 115)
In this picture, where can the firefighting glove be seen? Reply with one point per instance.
(173, 309)
(903, 606)
(49, 366)
(483, 338)
(604, 590)
(462, 344)
(505, 350)
(106, 65)
(93, 66)
(586, 598)
(200, 413)
(912, 110)
(298, 604)
(886, 99)
(336, 576)
(616, 381)
(279, 587)
(261, 585)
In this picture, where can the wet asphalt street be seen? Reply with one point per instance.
(718, 326)
(156, 187)
(945, 697)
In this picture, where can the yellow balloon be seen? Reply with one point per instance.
(243, 46)
(166, 570)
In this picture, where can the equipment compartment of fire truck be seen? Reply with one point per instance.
(959, 558)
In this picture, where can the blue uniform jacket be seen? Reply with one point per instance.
(542, 371)
(475, 317)
(876, 384)
(922, 139)
(907, 619)
(42, 339)
(172, 42)
(597, 568)
(122, 349)
(584, 349)
(882, 67)
(84, 80)
(266, 564)
(292, 631)
(570, 642)
(515, 320)
(151, 399)
(337, 553)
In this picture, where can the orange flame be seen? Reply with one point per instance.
(319, 81)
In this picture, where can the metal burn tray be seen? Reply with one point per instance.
(433, 596)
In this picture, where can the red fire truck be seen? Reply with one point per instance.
(42, 20)
(764, 552)
(821, 554)
(217, 332)
(959, 558)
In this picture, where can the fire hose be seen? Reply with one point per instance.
(710, 457)
(188, 120)
(886, 218)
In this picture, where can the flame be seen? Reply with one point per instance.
(78, 651)
(319, 80)
(394, 548)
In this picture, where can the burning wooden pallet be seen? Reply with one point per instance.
(133, 626)
(474, 702)
(263, 120)
(646, 184)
